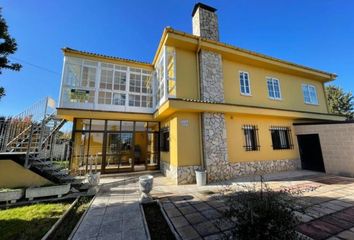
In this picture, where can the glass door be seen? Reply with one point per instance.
(119, 152)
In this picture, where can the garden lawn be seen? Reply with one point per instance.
(30, 222)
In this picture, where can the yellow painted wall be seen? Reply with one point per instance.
(236, 140)
(13, 175)
(290, 85)
(186, 74)
(188, 139)
(184, 140)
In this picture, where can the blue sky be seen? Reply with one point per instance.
(316, 33)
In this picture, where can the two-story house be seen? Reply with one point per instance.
(201, 103)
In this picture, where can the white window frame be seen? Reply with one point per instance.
(272, 79)
(249, 83)
(308, 87)
(75, 82)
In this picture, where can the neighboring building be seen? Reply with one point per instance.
(199, 104)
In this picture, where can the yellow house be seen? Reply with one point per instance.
(200, 104)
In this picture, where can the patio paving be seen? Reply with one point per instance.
(326, 208)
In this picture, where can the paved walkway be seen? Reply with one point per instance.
(115, 213)
(326, 209)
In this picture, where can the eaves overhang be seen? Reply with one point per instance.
(171, 37)
(101, 57)
(174, 105)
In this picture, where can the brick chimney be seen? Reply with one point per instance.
(205, 22)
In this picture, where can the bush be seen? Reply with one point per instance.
(262, 214)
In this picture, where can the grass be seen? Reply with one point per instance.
(30, 222)
(70, 220)
(158, 227)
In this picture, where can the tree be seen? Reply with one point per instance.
(8, 46)
(340, 102)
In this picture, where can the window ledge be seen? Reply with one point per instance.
(313, 104)
(275, 99)
(246, 95)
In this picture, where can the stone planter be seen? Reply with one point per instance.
(11, 195)
(145, 186)
(93, 179)
(58, 190)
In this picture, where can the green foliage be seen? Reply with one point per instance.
(8, 46)
(29, 222)
(262, 214)
(340, 102)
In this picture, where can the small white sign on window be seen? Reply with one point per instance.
(184, 123)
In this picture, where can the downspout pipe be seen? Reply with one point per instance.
(201, 152)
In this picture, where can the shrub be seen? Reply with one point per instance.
(262, 214)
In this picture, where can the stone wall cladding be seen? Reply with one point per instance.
(337, 141)
(213, 124)
(181, 175)
(225, 171)
(214, 143)
(205, 24)
(211, 76)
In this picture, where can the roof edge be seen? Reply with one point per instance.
(332, 76)
(71, 50)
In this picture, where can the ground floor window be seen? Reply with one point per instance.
(114, 146)
(165, 140)
(251, 138)
(281, 138)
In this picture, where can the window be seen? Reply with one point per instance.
(134, 100)
(106, 79)
(310, 94)
(165, 140)
(135, 83)
(86, 81)
(118, 99)
(245, 83)
(120, 79)
(104, 97)
(281, 138)
(251, 138)
(273, 88)
(88, 77)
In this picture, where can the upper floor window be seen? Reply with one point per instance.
(273, 88)
(310, 94)
(281, 138)
(251, 138)
(245, 87)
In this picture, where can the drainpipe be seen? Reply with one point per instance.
(201, 152)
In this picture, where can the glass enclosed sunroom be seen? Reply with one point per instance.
(98, 85)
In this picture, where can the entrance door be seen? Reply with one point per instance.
(310, 152)
(119, 152)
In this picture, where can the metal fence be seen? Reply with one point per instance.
(15, 128)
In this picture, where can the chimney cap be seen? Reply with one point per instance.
(202, 5)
